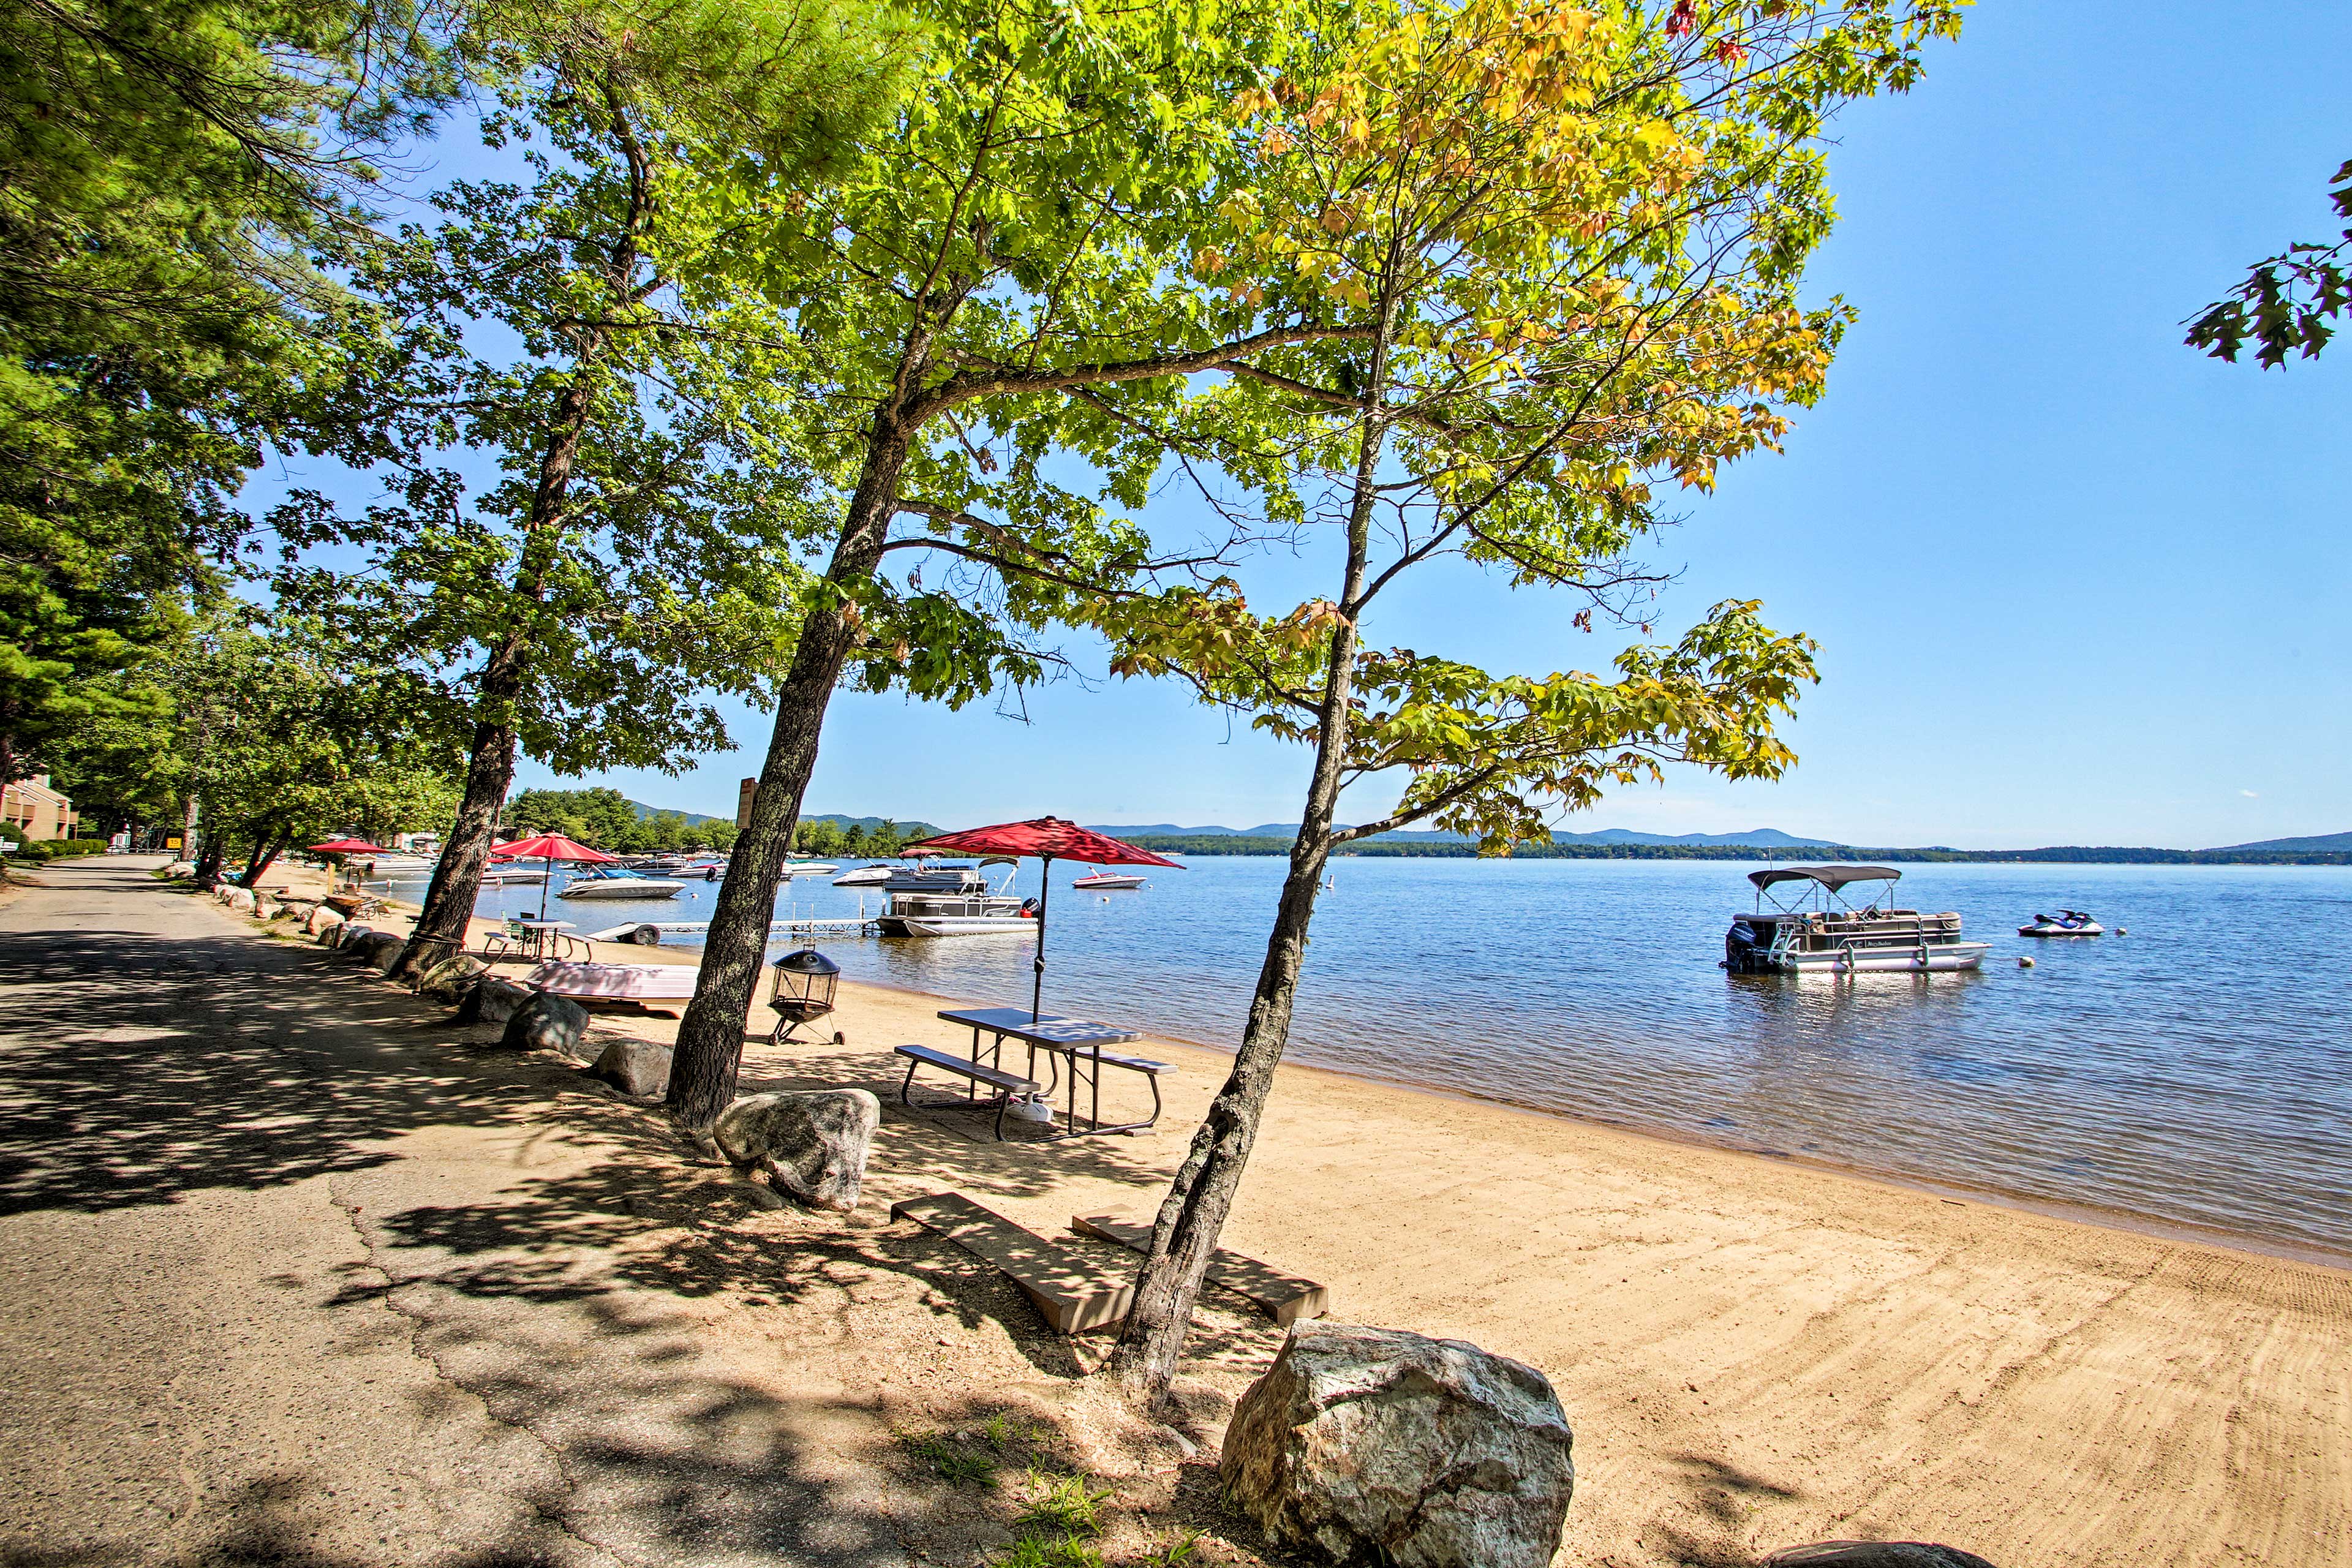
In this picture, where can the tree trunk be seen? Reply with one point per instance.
(189, 828)
(710, 1036)
(1192, 1215)
(267, 847)
(441, 929)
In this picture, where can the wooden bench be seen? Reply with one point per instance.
(1284, 1298)
(1008, 1085)
(1070, 1293)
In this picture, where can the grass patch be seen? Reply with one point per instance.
(1061, 1505)
(1050, 1551)
(1184, 1551)
(949, 1459)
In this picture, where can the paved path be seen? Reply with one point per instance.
(289, 1274)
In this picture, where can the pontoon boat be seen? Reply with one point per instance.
(1816, 929)
(952, 900)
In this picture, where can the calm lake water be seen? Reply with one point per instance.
(2198, 1069)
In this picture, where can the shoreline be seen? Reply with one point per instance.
(2132, 1222)
(2096, 1216)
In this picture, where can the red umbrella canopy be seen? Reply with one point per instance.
(548, 846)
(1044, 836)
(348, 846)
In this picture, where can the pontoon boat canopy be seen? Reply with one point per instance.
(1830, 876)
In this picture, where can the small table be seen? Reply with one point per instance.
(1079, 1041)
(542, 938)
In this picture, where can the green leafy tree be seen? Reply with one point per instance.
(2286, 304)
(989, 296)
(1568, 239)
(634, 556)
(161, 162)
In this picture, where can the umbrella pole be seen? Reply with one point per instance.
(1037, 980)
(550, 864)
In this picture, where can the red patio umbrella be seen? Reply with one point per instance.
(1044, 837)
(348, 846)
(549, 847)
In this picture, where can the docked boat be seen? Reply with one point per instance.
(605, 882)
(809, 867)
(2065, 923)
(1106, 882)
(512, 877)
(953, 900)
(864, 877)
(1815, 927)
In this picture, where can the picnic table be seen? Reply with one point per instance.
(542, 938)
(1074, 1053)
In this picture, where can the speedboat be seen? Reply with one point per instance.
(1813, 927)
(864, 877)
(2065, 923)
(612, 882)
(1104, 881)
(953, 900)
(512, 876)
(809, 867)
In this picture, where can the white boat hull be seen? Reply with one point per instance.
(1936, 958)
(956, 925)
(864, 877)
(2091, 930)
(633, 888)
(1106, 883)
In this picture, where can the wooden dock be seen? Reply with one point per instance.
(803, 925)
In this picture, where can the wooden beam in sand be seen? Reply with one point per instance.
(1070, 1293)
(1284, 1298)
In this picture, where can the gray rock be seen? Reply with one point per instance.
(321, 920)
(545, 1023)
(635, 1067)
(1374, 1444)
(378, 950)
(334, 935)
(449, 980)
(491, 1000)
(1873, 1554)
(178, 869)
(812, 1145)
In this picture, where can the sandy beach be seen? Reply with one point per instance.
(1752, 1354)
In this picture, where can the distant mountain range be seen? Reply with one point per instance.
(645, 812)
(2319, 844)
(1758, 838)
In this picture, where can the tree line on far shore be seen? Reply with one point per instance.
(2064, 854)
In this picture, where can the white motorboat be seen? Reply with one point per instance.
(809, 867)
(511, 876)
(864, 877)
(1821, 931)
(612, 882)
(2065, 923)
(953, 900)
(1105, 881)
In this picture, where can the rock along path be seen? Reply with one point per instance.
(287, 1274)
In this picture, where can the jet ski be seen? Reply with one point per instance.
(2065, 923)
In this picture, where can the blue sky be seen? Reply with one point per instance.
(2074, 583)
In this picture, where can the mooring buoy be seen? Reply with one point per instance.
(2025, 963)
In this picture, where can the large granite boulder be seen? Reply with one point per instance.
(378, 950)
(813, 1145)
(321, 920)
(237, 899)
(1378, 1445)
(545, 1023)
(639, 1068)
(1873, 1554)
(449, 980)
(180, 869)
(491, 1000)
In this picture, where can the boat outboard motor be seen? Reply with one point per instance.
(1028, 909)
(1744, 947)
